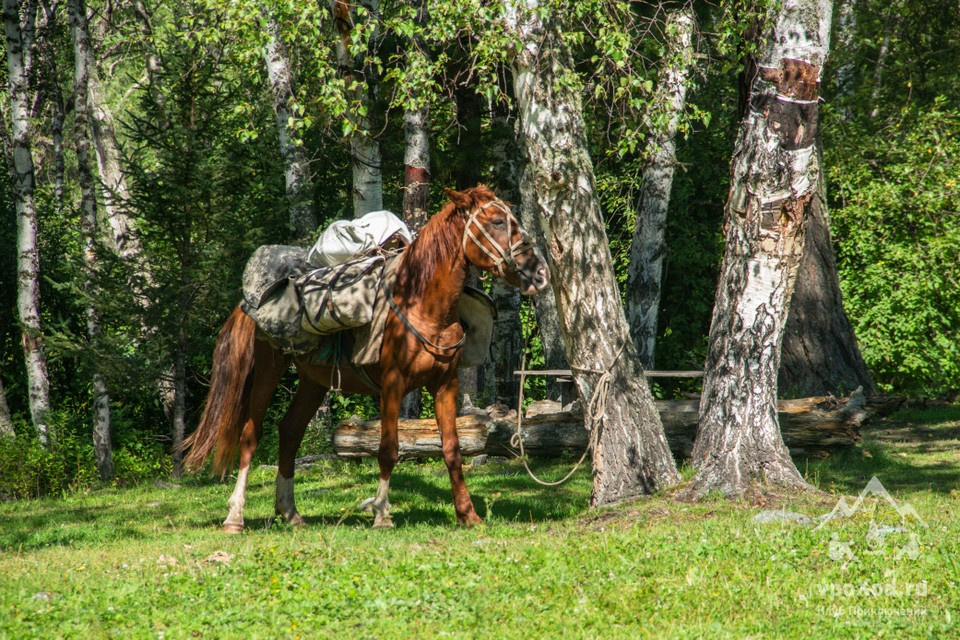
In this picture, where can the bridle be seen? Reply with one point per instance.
(507, 257)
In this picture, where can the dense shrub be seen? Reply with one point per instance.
(896, 224)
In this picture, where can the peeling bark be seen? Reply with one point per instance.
(88, 227)
(630, 452)
(774, 173)
(28, 259)
(364, 146)
(647, 248)
(296, 164)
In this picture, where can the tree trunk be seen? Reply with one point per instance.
(545, 302)
(878, 76)
(88, 226)
(647, 249)
(501, 385)
(416, 175)
(774, 173)
(124, 236)
(820, 354)
(469, 122)
(364, 146)
(296, 164)
(6, 422)
(28, 261)
(52, 87)
(630, 453)
(179, 418)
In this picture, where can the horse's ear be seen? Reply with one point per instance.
(460, 200)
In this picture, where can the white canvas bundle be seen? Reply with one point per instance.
(344, 240)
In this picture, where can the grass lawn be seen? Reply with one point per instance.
(150, 562)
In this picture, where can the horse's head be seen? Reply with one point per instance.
(494, 241)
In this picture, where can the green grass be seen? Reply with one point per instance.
(138, 563)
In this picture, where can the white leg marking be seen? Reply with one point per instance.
(234, 521)
(380, 506)
(285, 505)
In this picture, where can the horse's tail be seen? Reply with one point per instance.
(227, 401)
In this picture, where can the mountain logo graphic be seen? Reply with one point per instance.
(876, 537)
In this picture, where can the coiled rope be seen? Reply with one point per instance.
(597, 407)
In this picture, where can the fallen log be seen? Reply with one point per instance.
(810, 427)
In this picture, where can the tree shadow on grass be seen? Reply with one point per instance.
(903, 456)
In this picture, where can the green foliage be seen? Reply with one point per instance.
(897, 233)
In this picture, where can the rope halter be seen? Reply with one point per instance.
(507, 256)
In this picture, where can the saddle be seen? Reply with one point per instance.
(337, 314)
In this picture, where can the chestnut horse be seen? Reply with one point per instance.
(421, 348)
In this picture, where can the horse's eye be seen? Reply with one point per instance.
(498, 222)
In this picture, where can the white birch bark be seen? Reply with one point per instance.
(365, 157)
(774, 173)
(645, 270)
(28, 259)
(630, 452)
(88, 225)
(296, 164)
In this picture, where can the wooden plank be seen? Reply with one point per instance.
(649, 374)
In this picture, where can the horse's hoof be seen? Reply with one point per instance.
(470, 520)
(383, 523)
(367, 505)
(232, 528)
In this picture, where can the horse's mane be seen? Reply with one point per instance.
(438, 243)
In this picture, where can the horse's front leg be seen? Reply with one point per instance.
(445, 401)
(389, 450)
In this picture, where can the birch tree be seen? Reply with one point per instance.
(296, 164)
(28, 259)
(630, 453)
(645, 270)
(774, 173)
(416, 161)
(351, 47)
(88, 227)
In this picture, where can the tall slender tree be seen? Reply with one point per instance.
(28, 262)
(647, 248)
(416, 163)
(88, 226)
(774, 173)
(365, 156)
(296, 164)
(630, 452)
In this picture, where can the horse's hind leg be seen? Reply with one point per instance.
(268, 367)
(304, 406)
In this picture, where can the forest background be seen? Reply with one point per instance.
(204, 148)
